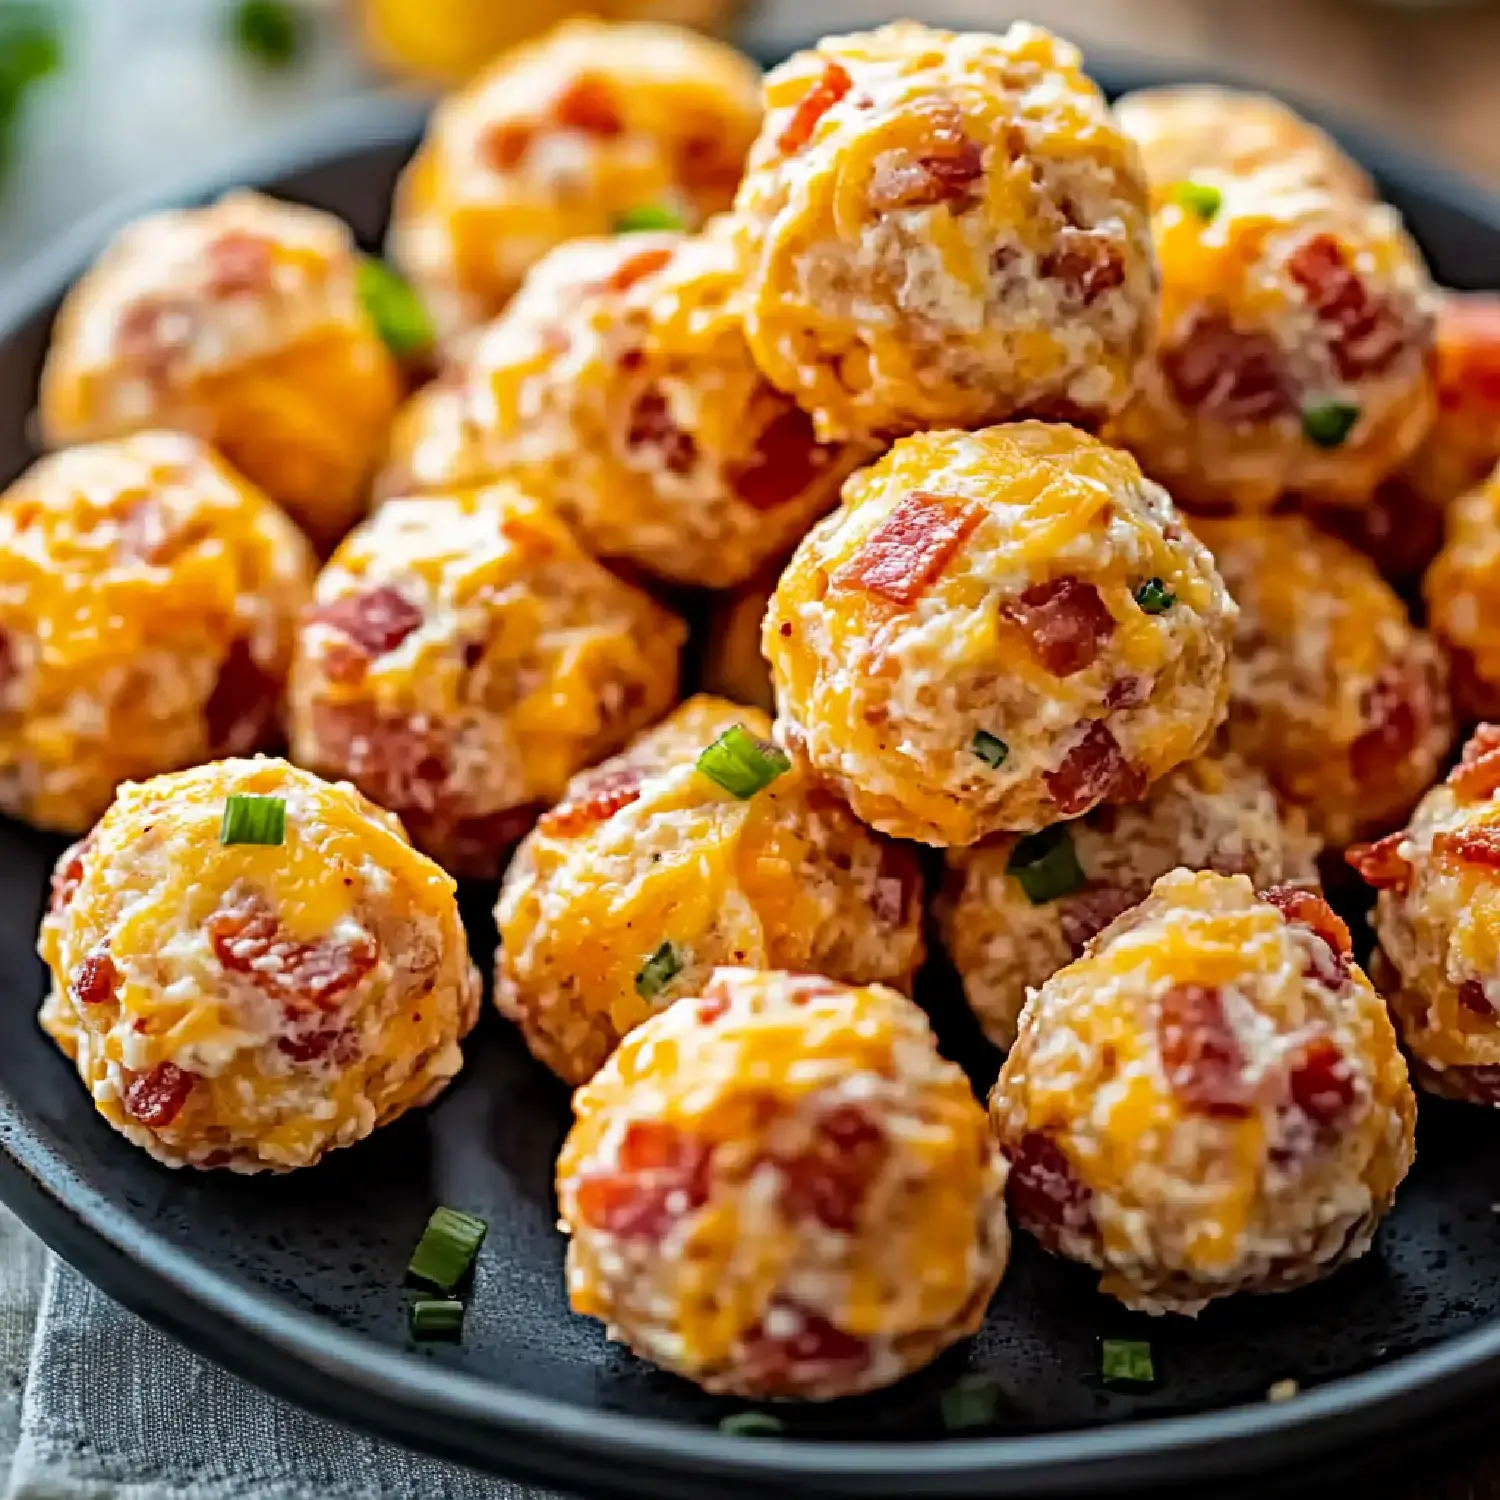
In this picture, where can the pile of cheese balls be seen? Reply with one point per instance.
(1055, 481)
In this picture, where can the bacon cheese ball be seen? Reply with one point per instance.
(997, 630)
(1462, 589)
(589, 129)
(1211, 1100)
(777, 1188)
(674, 858)
(734, 666)
(1185, 128)
(1293, 348)
(1438, 922)
(1332, 690)
(618, 388)
(242, 323)
(148, 602)
(944, 229)
(1015, 911)
(464, 658)
(253, 1005)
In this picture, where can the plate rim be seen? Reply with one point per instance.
(302, 1357)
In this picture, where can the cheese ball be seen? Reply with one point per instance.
(944, 230)
(1182, 129)
(777, 1188)
(241, 323)
(148, 602)
(618, 388)
(1211, 1100)
(651, 873)
(734, 666)
(1015, 911)
(997, 630)
(254, 1005)
(1438, 921)
(1333, 692)
(464, 657)
(1462, 590)
(588, 129)
(1294, 346)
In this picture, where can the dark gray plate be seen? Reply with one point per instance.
(296, 1282)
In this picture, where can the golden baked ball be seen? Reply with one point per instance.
(1211, 1100)
(1333, 692)
(1293, 352)
(1015, 911)
(464, 658)
(997, 630)
(699, 846)
(148, 601)
(777, 1188)
(589, 129)
(1462, 589)
(618, 388)
(242, 323)
(734, 666)
(944, 230)
(251, 967)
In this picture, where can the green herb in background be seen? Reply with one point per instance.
(973, 1401)
(648, 216)
(752, 1424)
(1126, 1362)
(395, 309)
(31, 49)
(267, 31)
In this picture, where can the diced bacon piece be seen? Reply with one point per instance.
(1226, 374)
(1086, 914)
(1128, 692)
(1476, 845)
(1368, 336)
(1396, 709)
(637, 267)
(943, 171)
(1066, 624)
(377, 620)
(829, 1181)
(239, 264)
(787, 459)
(588, 104)
(908, 551)
(653, 426)
(338, 1045)
(242, 707)
(1329, 961)
(9, 668)
(156, 1098)
(1201, 1057)
(1382, 864)
(1095, 770)
(1086, 262)
(1477, 775)
(1322, 1084)
(1468, 352)
(713, 1006)
(812, 106)
(593, 800)
(663, 1175)
(95, 981)
(1472, 996)
(390, 760)
(814, 1351)
(503, 145)
(67, 874)
(1045, 1194)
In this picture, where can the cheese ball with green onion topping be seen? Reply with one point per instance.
(997, 630)
(1015, 911)
(1211, 1100)
(777, 1188)
(944, 229)
(1333, 692)
(698, 846)
(251, 967)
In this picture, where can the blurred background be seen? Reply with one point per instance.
(103, 98)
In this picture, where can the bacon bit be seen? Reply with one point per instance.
(1086, 262)
(9, 668)
(1381, 864)
(1390, 708)
(1468, 352)
(817, 1352)
(652, 426)
(589, 104)
(636, 268)
(787, 458)
(1307, 909)
(1228, 375)
(338, 1044)
(1369, 336)
(377, 621)
(1479, 845)
(1322, 1084)
(67, 874)
(592, 801)
(944, 173)
(811, 108)
(663, 1174)
(1477, 774)
(393, 763)
(1066, 624)
(1472, 997)
(156, 1098)
(242, 707)
(95, 981)
(153, 332)
(903, 556)
(713, 1006)
(1094, 770)
(1201, 1056)
(1128, 692)
(1044, 1192)
(503, 145)
(829, 1181)
(1086, 914)
(247, 938)
(239, 264)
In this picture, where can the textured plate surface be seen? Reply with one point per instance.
(296, 1282)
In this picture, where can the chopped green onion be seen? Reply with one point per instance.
(648, 216)
(991, 749)
(1046, 865)
(1127, 1361)
(658, 972)
(1200, 198)
(447, 1248)
(253, 820)
(1328, 425)
(437, 1318)
(394, 308)
(268, 31)
(30, 51)
(751, 1424)
(972, 1401)
(742, 764)
(1155, 597)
